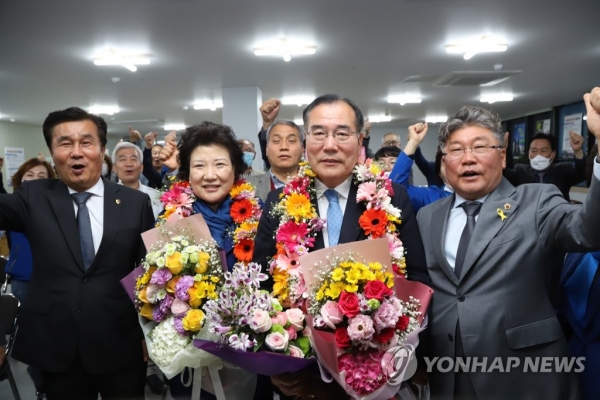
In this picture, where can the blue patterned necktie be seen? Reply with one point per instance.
(334, 217)
(85, 228)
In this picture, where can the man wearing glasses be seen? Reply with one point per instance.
(491, 250)
(334, 133)
(391, 139)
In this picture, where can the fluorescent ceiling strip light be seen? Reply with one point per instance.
(208, 105)
(379, 118)
(285, 49)
(174, 127)
(129, 61)
(484, 44)
(402, 100)
(108, 110)
(436, 119)
(297, 100)
(496, 97)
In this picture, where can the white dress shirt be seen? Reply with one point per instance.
(343, 191)
(95, 205)
(456, 224)
(154, 195)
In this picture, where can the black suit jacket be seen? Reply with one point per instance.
(351, 231)
(69, 311)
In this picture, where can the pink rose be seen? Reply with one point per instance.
(277, 341)
(152, 293)
(295, 318)
(331, 314)
(260, 321)
(292, 333)
(280, 318)
(179, 307)
(296, 352)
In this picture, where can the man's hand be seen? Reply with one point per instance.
(150, 138)
(592, 104)
(134, 135)
(269, 111)
(168, 154)
(289, 384)
(41, 156)
(576, 144)
(416, 134)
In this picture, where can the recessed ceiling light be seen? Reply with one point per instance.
(127, 60)
(483, 44)
(436, 119)
(402, 100)
(186, 108)
(492, 98)
(297, 100)
(379, 118)
(208, 105)
(284, 48)
(108, 110)
(174, 127)
(12, 120)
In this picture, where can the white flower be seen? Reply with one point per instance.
(160, 262)
(165, 342)
(185, 242)
(184, 258)
(177, 238)
(170, 249)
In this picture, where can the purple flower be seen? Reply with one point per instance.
(165, 305)
(179, 326)
(182, 286)
(361, 328)
(386, 316)
(161, 276)
(157, 314)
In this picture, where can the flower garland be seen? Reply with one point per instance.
(245, 211)
(300, 223)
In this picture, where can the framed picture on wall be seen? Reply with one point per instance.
(518, 141)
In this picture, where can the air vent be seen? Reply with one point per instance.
(474, 78)
(420, 78)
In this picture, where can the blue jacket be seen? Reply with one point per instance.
(419, 196)
(20, 262)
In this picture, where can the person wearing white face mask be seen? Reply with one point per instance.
(249, 155)
(543, 169)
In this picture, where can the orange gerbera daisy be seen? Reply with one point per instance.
(241, 210)
(373, 222)
(243, 250)
(298, 207)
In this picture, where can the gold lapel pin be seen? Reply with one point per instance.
(501, 214)
(118, 201)
(507, 206)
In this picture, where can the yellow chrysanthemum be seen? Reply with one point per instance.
(214, 279)
(351, 288)
(347, 264)
(298, 207)
(248, 226)
(353, 275)
(337, 274)
(321, 293)
(236, 190)
(280, 284)
(309, 172)
(368, 275)
(375, 266)
(334, 290)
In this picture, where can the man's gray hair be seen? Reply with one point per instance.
(286, 122)
(127, 145)
(471, 116)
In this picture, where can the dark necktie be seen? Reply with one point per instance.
(539, 178)
(85, 228)
(471, 208)
(334, 217)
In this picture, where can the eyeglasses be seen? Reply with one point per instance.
(340, 135)
(455, 154)
(388, 143)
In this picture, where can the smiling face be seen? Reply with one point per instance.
(77, 154)
(471, 176)
(37, 172)
(333, 162)
(128, 166)
(211, 173)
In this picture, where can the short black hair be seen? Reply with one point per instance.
(72, 114)
(207, 134)
(437, 165)
(386, 151)
(545, 136)
(359, 119)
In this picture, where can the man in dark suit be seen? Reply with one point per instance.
(491, 251)
(77, 324)
(333, 139)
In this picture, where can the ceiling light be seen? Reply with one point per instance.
(436, 119)
(174, 127)
(299, 121)
(12, 120)
(402, 100)
(284, 48)
(379, 118)
(483, 44)
(108, 110)
(129, 61)
(297, 100)
(208, 105)
(496, 97)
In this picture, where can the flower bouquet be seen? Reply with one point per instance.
(248, 320)
(363, 333)
(245, 212)
(178, 200)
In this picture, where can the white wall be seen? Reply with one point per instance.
(29, 137)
